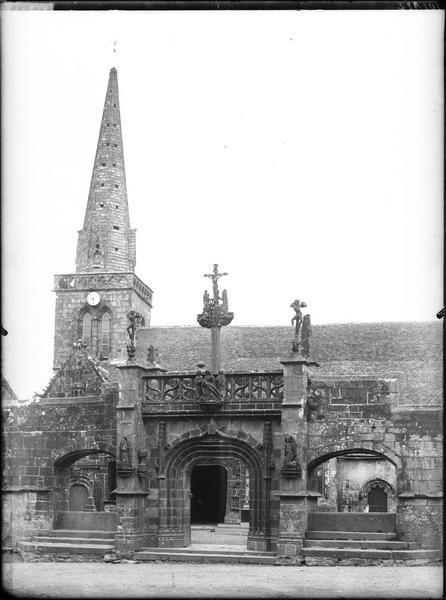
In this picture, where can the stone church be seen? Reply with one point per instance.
(307, 444)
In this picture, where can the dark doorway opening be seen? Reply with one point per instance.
(78, 497)
(377, 500)
(208, 494)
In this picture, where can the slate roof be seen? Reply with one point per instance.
(410, 352)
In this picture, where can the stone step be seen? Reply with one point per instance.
(210, 549)
(367, 544)
(175, 555)
(211, 538)
(352, 553)
(72, 540)
(219, 536)
(82, 533)
(235, 526)
(51, 548)
(350, 535)
(237, 533)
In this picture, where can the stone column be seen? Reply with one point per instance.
(215, 349)
(131, 492)
(295, 500)
(419, 501)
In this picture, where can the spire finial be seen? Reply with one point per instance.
(114, 53)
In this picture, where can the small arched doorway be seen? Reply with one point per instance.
(78, 497)
(377, 499)
(208, 494)
(380, 495)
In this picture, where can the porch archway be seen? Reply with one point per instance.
(175, 486)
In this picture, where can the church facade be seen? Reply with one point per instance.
(152, 435)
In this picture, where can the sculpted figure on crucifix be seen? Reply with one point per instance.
(215, 276)
(206, 300)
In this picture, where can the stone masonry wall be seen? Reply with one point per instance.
(67, 324)
(34, 438)
(357, 418)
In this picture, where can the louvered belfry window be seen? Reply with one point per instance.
(105, 336)
(86, 330)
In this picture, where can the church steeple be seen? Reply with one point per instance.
(107, 243)
(93, 304)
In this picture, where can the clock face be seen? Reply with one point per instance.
(93, 298)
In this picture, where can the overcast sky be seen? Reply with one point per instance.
(300, 150)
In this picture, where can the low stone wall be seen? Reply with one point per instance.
(330, 521)
(25, 512)
(89, 521)
(421, 519)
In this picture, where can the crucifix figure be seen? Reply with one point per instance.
(215, 277)
(214, 316)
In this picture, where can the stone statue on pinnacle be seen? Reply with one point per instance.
(302, 326)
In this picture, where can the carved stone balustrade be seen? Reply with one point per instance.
(181, 387)
(104, 281)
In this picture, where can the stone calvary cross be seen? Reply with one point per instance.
(215, 315)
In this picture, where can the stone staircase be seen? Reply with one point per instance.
(204, 553)
(221, 534)
(222, 543)
(89, 533)
(359, 538)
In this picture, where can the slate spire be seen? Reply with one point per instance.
(107, 243)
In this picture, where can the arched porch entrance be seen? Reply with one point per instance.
(185, 469)
(351, 480)
(85, 481)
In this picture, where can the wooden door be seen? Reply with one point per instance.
(377, 500)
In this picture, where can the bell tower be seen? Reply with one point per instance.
(92, 304)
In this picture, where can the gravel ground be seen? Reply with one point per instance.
(191, 580)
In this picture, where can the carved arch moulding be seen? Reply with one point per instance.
(213, 447)
(316, 456)
(205, 433)
(377, 482)
(70, 454)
